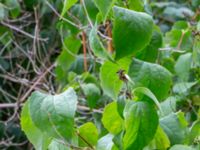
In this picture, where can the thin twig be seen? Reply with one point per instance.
(109, 33)
(83, 108)
(36, 83)
(62, 18)
(84, 50)
(21, 31)
(181, 39)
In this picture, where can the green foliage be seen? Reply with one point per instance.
(111, 119)
(37, 138)
(139, 118)
(105, 143)
(150, 52)
(89, 133)
(175, 126)
(182, 147)
(67, 5)
(92, 93)
(104, 7)
(123, 75)
(160, 140)
(97, 45)
(132, 31)
(137, 5)
(55, 114)
(110, 81)
(152, 76)
(183, 65)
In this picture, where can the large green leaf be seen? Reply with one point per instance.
(132, 31)
(104, 7)
(110, 81)
(141, 122)
(152, 76)
(89, 133)
(54, 115)
(175, 126)
(39, 139)
(111, 119)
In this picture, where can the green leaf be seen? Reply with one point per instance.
(90, 78)
(177, 12)
(54, 115)
(110, 81)
(15, 7)
(182, 66)
(151, 76)
(105, 143)
(89, 133)
(58, 145)
(111, 118)
(183, 87)
(169, 105)
(96, 45)
(118, 140)
(91, 9)
(174, 36)
(148, 93)
(175, 126)
(92, 93)
(141, 122)
(160, 141)
(104, 7)
(70, 48)
(137, 5)
(39, 139)
(67, 5)
(181, 147)
(67, 57)
(195, 132)
(121, 102)
(150, 52)
(132, 31)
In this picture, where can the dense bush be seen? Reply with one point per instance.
(100, 74)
